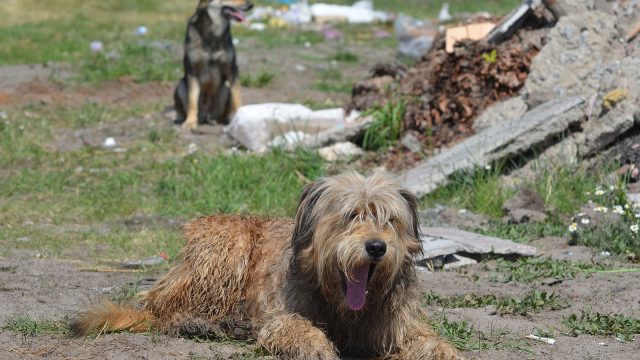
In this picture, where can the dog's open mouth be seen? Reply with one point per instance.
(355, 288)
(233, 13)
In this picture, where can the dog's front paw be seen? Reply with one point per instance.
(317, 354)
(189, 125)
(445, 351)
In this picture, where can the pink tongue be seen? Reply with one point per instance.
(238, 15)
(357, 289)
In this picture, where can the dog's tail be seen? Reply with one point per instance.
(109, 317)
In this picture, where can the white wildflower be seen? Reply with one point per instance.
(637, 215)
(487, 167)
(626, 206)
(603, 209)
(585, 221)
(611, 188)
(618, 209)
(634, 228)
(599, 192)
(573, 227)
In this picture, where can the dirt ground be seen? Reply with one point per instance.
(51, 288)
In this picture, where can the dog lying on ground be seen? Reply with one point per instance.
(338, 279)
(209, 90)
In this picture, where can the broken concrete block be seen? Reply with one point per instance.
(444, 241)
(457, 261)
(341, 151)
(500, 112)
(499, 142)
(579, 44)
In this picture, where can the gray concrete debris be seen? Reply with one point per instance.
(341, 151)
(457, 261)
(500, 112)
(444, 241)
(411, 142)
(441, 216)
(499, 142)
(579, 46)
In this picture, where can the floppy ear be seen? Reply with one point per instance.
(305, 221)
(411, 200)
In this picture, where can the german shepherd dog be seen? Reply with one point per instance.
(209, 90)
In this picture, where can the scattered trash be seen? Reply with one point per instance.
(96, 46)
(361, 12)
(474, 32)
(549, 341)
(146, 262)
(141, 30)
(254, 126)
(511, 23)
(258, 26)
(341, 151)
(299, 13)
(415, 37)
(192, 148)
(444, 15)
(109, 142)
(331, 33)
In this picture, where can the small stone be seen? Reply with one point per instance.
(411, 143)
(340, 151)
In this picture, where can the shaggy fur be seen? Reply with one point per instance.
(290, 279)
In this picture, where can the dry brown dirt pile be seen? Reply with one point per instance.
(444, 92)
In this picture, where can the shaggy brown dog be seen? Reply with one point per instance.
(339, 279)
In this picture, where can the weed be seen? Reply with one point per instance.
(588, 322)
(464, 337)
(28, 327)
(260, 80)
(480, 191)
(490, 57)
(531, 269)
(533, 302)
(345, 56)
(386, 127)
(523, 232)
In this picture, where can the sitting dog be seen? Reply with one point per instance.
(209, 89)
(337, 280)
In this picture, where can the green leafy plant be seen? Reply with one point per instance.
(599, 324)
(490, 57)
(385, 130)
(533, 302)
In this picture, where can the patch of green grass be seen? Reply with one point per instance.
(464, 337)
(480, 191)
(531, 269)
(532, 302)
(345, 56)
(342, 87)
(588, 322)
(386, 127)
(523, 232)
(259, 80)
(618, 238)
(28, 327)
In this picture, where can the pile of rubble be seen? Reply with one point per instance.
(446, 90)
(580, 100)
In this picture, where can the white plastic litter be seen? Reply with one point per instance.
(288, 140)
(109, 142)
(444, 15)
(361, 12)
(549, 341)
(255, 126)
(142, 30)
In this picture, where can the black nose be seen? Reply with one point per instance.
(376, 249)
